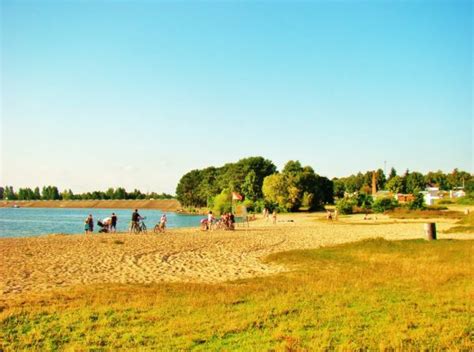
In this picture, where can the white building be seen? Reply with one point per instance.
(430, 194)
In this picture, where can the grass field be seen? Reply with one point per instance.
(376, 294)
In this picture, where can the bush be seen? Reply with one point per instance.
(418, 203)
(445, 201)
(250, 205)
(222, 203)
(381, 205)
(364, 201)
(345, 205)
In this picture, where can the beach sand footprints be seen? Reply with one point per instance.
(184, 255)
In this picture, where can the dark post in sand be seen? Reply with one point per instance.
(430, 230)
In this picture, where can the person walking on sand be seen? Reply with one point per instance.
(89, 224)
(274, 217)
(210, 219)
(113, 223)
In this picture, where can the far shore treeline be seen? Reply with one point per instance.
(53, 193)
(257, 184)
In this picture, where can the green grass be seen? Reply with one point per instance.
(465, 225)
(405, 295)
(402, 213)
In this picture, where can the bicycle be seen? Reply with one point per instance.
(139, 227)
(159, 228)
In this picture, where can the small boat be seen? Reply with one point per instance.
(16, 206)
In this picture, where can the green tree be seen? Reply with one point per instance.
(438, 179)
(187, 191)
(396, 185)
(275, 190)
(37, 194)
(9, 193)
(222, 203)
(414, 182)
(392, 174)
(250, 187)
(418, 203)
(120, 193)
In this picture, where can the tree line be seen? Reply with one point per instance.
(260, 184)
(297, 186)
(53, 193)
(407, 183)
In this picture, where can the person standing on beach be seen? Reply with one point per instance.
(113, 224)
(274, 217)
(135, 220)
(89, 224)
(210, 219)
(163, 222)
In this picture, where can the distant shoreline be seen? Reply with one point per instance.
(161, 204)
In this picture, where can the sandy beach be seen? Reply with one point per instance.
(183, 255)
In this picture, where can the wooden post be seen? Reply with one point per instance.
(430, 231)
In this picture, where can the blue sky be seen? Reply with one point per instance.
(136, 93)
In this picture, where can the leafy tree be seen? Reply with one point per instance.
(297, 185)
(396, 185)
(383, 204)
(9, 193)
(457, 178)
(418, 203)
(275, 190)
(438, 179)
(250, 186)
(345, 205)
(222, 203)
(415, 182)
(380, 179)
(339, 187)
(187, 190)
(120, 193)
(67, 195)
(392, 174)
(37, 194)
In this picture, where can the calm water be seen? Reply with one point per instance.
(26, 222)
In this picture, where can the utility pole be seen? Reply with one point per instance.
(385, 167)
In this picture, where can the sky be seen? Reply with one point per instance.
(98, 94)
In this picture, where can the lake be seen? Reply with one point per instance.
(26, 222)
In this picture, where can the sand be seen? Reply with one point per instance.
(183, 255)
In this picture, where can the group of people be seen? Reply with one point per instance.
(109, 224)
(266, 215)
(226, 222)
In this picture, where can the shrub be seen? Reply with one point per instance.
(250, 205)
(445, 201)
(364, 201)
(418, 203)
(345, 205)
(381, 205)
(222, 203)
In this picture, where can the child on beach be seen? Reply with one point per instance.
(89, 224)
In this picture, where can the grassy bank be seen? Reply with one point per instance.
(372, 294)
(162, 204)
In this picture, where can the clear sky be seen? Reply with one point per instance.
(136, 93)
